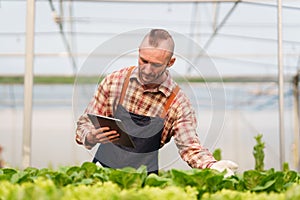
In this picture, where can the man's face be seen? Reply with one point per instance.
(153, 63)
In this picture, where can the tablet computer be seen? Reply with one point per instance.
(114, 124)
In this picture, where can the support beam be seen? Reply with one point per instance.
(296, 121)
(215, 15)
(59, 21)
(28, 84)
(281, 86)
(213, 35)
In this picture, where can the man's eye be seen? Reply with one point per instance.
(156, 65)
(144, 61)
(152, 64)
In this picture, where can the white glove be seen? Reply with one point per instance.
(227, 165)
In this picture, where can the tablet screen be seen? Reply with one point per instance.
(114, 124)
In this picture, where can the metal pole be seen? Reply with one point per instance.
(28, 84)
(296, 120)
(281, 86)
(191, 34)
(215, 15)
(212, 36)
(72, 40)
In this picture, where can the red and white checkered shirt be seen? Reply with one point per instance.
(180, 121)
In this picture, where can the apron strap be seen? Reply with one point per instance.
(169, 101)
(125, 85)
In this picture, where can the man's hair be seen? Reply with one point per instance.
(155, 36)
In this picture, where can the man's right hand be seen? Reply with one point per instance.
(102, 135)
(227, 165)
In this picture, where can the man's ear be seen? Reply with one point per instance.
(172, 61)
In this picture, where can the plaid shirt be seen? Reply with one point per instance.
(180, 121)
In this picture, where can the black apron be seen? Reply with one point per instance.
(144, 131)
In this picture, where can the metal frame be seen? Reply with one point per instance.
(281, 86)
(28, 83)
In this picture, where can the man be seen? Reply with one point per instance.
(153, 109)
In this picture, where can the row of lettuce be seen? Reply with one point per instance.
(90, 181)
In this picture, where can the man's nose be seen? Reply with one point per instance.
(148, 68)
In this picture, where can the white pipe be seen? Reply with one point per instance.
(28, 84)
(296, 121)
(281, 85)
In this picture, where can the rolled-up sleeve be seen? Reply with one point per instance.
(186, 137)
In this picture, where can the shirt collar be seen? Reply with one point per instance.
(165, 87)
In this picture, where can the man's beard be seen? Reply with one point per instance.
(155, 80)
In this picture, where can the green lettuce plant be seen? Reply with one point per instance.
(258, 153)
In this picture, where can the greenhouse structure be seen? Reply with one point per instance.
(238, 61)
